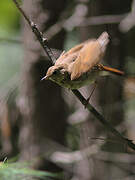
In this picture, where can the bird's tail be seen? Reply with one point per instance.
(103, 40)
(112, 70)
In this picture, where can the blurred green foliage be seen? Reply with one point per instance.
(9, 16)
(11, 53)
(21, 171)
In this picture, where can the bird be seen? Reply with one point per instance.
(81, 65)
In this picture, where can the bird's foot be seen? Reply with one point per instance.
(88, 99)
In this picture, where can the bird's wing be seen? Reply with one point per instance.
(66, 57)
(89, 56)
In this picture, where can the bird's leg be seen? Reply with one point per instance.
(94, 87)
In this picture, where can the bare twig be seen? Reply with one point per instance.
(106, 124)
(43, 41)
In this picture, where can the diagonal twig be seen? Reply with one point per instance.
(106, 124)
(90, 108)
(43, 41)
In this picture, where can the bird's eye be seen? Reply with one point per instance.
(55, 72)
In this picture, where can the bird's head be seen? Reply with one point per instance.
(54, 73)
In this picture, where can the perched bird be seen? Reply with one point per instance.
(80, 65)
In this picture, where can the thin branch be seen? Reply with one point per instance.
(105, 123)
(43, 41)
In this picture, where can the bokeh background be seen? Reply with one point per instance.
(45, 133)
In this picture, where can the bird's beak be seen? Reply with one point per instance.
(44, 78)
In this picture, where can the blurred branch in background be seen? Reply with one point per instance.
(72, 157)
(71, 23)
(75, 21)
(129, 21)
(65, 157)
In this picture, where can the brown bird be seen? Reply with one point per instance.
(80, 65)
